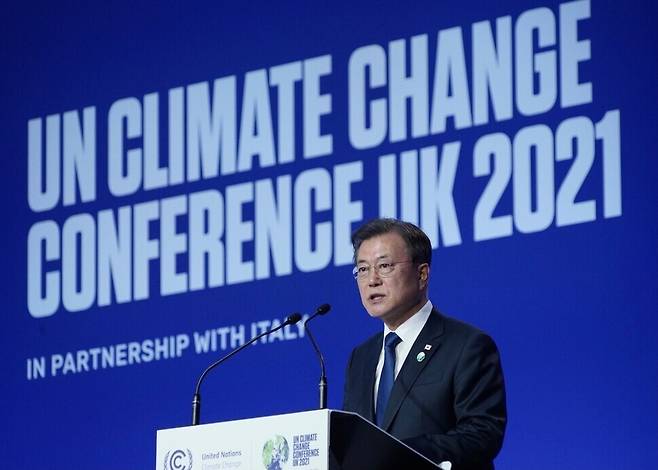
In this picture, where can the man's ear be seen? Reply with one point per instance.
(423, 274)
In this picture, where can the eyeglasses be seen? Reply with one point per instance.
(382, 269)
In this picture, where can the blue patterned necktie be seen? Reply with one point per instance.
(388, 376)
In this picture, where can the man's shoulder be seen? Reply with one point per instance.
(373, 342)
(365, 354)
(456, 324)
(453, 326)
(458, 334)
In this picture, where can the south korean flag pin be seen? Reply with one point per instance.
(428, 347)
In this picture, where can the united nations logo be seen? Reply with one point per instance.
(178, 460)
(275, 453)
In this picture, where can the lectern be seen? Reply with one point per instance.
(311, 440)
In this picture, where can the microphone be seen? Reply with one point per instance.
(196, 401)
(321, 310)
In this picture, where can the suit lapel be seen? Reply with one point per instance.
(412, 367)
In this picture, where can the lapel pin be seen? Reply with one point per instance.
(428, 347)
(420, 357)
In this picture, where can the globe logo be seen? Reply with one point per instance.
(275, 453)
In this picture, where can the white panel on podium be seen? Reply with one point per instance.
(291, 441)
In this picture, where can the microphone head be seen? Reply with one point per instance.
(293, 318)
(323, 309)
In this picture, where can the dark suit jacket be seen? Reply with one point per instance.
(450, 406)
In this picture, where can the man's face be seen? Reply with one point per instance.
(396, 297)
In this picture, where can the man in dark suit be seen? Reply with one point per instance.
(431, 381)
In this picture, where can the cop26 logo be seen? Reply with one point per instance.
(275, 453)
(178, 460)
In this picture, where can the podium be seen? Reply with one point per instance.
(310, 440)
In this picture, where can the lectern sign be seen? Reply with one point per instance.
(282, 442)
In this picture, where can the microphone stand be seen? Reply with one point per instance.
(321, 310)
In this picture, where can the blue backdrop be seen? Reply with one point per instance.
(178, 177)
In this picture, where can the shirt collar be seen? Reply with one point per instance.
(409, 330)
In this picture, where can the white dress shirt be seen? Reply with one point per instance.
(408, 332)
